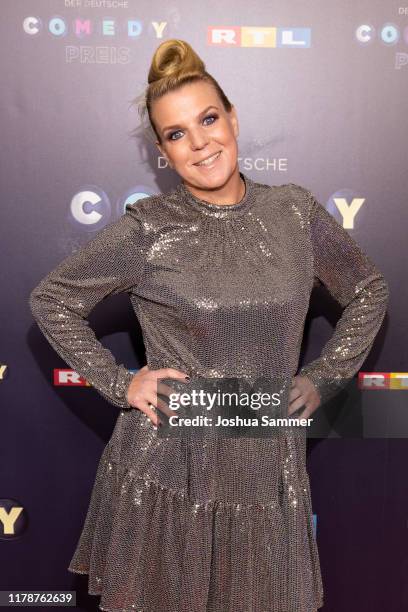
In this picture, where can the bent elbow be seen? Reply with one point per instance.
(379, 292)
(35, 302)
(384, 291)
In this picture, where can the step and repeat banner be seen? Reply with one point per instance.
(321, 95)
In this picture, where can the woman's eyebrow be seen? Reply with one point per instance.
(173, 127)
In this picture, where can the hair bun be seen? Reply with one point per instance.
(172, 58)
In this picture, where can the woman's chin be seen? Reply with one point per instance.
(217, 177)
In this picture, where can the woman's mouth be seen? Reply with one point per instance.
(210, 161)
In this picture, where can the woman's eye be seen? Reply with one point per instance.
(210, 117)
(214, 117)
(170, 137)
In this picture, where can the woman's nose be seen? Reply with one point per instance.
(198, 139)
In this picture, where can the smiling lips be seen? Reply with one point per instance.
(209, 160)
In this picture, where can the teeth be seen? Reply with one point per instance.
(208, 161)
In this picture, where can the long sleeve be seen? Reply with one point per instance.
(358, 286)
(112, 262)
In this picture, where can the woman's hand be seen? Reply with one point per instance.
(144, 387)
(303, 393)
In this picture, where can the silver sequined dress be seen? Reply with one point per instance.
(219, 290)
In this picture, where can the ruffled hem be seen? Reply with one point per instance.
(148, 548)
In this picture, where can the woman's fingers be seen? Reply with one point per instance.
(161, 405)
(296, 399)
(148, 409)
(145, 386)
(296, 404)
(164, 389)
(294, 393)
(303, 393)
(168, 373)
(151, 411)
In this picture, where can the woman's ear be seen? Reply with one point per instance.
(234, 121)
(158, 145)
(163, 153)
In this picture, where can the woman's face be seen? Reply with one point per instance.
(194, 125)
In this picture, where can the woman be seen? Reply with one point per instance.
(219, 271)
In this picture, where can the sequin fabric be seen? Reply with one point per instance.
(219, 290)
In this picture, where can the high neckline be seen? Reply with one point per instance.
(220, 210)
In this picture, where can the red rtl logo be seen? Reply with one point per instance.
(69, 378)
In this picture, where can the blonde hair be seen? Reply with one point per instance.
(174, 63)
